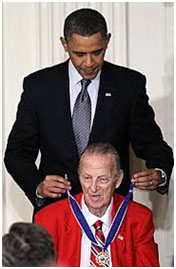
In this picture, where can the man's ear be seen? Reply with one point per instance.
(64, 43)
(108, 39)
(119, 179)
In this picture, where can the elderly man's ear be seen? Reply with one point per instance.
(119, 178)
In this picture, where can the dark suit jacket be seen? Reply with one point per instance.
(44, 123)
(133, 245)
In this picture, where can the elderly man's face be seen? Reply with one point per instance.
(86, 53)
(98, 180)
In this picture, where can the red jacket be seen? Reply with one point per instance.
(133, 246)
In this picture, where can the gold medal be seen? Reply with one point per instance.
(102, 258)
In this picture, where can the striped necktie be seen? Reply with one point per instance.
(81, 118)
(99, 258)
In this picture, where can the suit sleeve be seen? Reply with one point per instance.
(146, 137)
(23, 146)
(145, 249)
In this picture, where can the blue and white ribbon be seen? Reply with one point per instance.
(116, 223)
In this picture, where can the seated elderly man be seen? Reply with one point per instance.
(99, 227)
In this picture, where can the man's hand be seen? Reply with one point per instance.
(147, 180)
(53, 186)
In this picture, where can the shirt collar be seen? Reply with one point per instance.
(91, 219)
(75, 77)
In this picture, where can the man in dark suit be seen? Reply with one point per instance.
(117, 108)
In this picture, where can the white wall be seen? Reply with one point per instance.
(142, 38)
(151, 50)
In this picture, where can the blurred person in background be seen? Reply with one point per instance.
(27, 245)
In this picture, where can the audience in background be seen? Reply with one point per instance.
(27, 245)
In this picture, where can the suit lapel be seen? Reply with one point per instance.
(67, 120)
(106, 98)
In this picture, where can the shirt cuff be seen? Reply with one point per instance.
(38, 195)
(163, 176)
(39, 199)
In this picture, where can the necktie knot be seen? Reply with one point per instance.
(98, 225)
(85, 83)
(84, 94)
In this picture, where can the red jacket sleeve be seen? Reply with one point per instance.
(145, 248)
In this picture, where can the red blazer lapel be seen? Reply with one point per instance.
(118, 245)
(70, 241)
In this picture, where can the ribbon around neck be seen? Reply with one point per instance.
(115, 225)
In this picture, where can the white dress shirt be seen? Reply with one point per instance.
(91, 219)
(75, 88)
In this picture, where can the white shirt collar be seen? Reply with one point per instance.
(75, 77)
(91, 219)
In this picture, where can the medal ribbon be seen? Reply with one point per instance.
(116, 223)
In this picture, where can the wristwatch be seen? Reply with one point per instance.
(163, 177)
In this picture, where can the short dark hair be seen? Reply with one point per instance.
(103, 149)
(85, 22)
(27, 245)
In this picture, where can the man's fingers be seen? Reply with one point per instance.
(57, 184)
(56, 179)
(142, 179)
(146, 185)
(53, 192)
(57, 190)
(146, 180)
(53, 186)
(144, 173)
